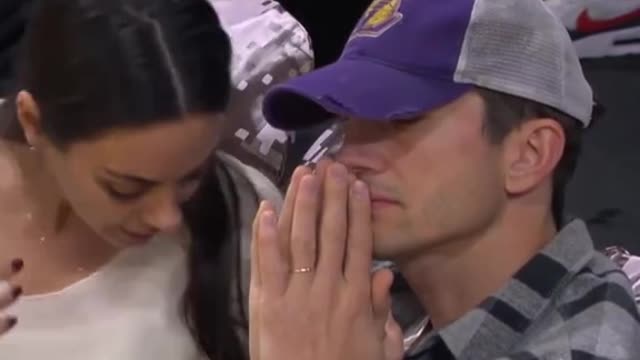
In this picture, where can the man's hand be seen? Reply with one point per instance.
(312, 295)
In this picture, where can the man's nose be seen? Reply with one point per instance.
(359, 151)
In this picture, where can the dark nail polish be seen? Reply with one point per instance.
(17, 265)
(11, 322)
(17, 291)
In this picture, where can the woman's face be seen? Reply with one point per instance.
(128, 184)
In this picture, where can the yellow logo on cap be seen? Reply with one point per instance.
(379, 17)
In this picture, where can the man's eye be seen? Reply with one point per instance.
(402, 124)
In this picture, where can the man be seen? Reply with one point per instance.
(463, 119)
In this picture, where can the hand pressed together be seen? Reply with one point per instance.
(313, 296)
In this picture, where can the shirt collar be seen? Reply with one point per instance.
(500, 321)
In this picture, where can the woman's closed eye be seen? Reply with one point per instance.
(125, 192)
(124, 188)
(184, 190)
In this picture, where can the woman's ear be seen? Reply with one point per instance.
(28, 115)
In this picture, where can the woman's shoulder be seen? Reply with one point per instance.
(245, 176)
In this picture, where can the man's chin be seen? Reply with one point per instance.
(386, 249)
(392, 245)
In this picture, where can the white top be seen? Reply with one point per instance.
(130, 309)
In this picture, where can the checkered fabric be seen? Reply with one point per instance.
(569, 302)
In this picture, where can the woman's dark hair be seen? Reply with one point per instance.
(97, 65)
(13, 19)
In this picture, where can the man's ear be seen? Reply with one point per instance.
(29, 118)
(532, 152)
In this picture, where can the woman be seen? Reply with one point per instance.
(109, 149)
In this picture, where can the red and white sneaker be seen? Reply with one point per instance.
(601, 28)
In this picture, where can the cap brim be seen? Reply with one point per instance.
(358, 89)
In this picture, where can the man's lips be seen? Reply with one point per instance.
(377, 198)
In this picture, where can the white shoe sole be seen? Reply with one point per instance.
(610, 43)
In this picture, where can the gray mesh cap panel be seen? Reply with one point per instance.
(519, 47)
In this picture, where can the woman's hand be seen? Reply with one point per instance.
(313, 296)
(9, 293)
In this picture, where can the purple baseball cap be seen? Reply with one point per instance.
(408, 57)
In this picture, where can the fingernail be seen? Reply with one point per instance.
(339, 172)
(360, 189)
(17, 265)
(303, 169)
(309, 184)
(297, 172)
(11, 322)
(17, 291)
(269, 219)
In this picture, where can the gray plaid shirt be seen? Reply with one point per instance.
(568, 303)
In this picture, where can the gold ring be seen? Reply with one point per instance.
(302, 270)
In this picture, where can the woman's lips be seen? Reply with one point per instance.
(138, 236)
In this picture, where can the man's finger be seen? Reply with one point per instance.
(381, 304)
(255, 295)
(320, 171)
(255, 232)
(304, 230)
(272, 263)
(322, 166)
(333, 227)
(393, 339)
(381, 282)
(360, 236)
(285, 220)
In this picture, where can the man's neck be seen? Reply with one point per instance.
(456, 277)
